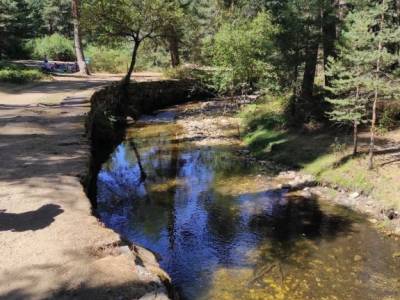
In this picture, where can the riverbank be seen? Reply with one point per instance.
(225, 225)
(217, 122)
(51, 246)
(326, 153)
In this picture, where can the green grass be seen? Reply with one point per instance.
(267, 136)
(14, 73)
(325, 154)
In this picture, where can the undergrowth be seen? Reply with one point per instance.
(18, 74)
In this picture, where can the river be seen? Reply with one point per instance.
(224, 231)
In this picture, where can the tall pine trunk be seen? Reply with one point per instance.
(329, 23)
(307, 87)
(376, 93)
(355, 126)
(355, 138)
(304, 103)
(80, 57)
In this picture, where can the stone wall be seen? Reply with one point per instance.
(105, 126)
(110, 107)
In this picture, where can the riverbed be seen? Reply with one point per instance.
(223, 229)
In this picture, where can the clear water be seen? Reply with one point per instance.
(223, 232)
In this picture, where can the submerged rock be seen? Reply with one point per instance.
(358, 258)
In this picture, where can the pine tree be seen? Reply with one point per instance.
(349, 103)
(369, 33)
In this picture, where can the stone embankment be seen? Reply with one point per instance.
(111, 109)
(51, 244)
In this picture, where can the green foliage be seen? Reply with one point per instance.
(241, 52)
(390, 117)
(18, 74)
(267, 113)
(106, 59)
(15, 27)
(264, 124)
(349, 101)
(202, 75)
(152, 56)
(116, 59)
(55, 46)
(363, 71)
(21, 20)
(134, 20)
(55, 16)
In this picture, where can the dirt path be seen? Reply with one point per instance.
(50, 244)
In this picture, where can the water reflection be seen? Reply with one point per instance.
(219, 239)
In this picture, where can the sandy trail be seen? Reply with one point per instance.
(50, 244)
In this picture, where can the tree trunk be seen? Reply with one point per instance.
(83, 69)
(355, 138)
(127, 78)
(173, 44)
(372, 133)
(373, 120)
(307, 87)
(143, 174)
(329, 23)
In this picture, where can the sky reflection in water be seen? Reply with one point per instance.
(216, 235)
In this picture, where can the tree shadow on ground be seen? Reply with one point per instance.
(45, 142)
(57, 86)
(130, 291)
(31, 220)
(69, 288)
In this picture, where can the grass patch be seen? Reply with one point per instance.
(18, 74)
(325, 154)
(267, 135)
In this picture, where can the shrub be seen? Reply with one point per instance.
(105, 59)
(390, 117)
(116, 59)
(152, 57)
(18, 74)
(55, 46)
(241, 52)
(202, 75)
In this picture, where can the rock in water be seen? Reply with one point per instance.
(357, 258)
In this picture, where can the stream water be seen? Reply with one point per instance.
(224, 232)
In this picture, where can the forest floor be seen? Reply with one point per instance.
(51, 246)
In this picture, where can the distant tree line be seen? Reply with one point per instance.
(337, 59)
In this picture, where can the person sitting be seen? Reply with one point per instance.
(45, 65)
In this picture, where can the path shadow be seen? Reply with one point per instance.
(31, 220)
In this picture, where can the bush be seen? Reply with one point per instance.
(152, 57)
(202, 75)
(241, 52)
(18, 74)
(117, 59)
(390, 117)
(105, 59)
(55, 46)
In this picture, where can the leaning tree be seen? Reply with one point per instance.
(133, 20)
